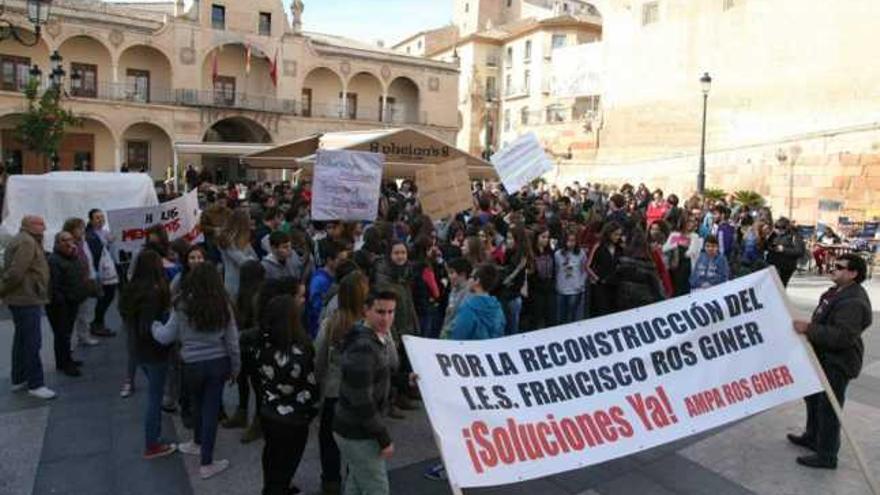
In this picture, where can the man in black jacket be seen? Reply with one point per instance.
(835, 332)
(67, 292)
(363, 440)
(784, 248)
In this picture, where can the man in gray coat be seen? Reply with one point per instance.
(25, 289)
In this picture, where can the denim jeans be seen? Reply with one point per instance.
(26, 364)
(512, 309)
(61, 318)
(204, 381)
(103, 304)
(367, 472)
(569, 307)
(156, 373)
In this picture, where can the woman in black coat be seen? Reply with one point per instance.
(603, 265)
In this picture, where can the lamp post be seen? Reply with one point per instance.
(37, 14)
(706, 86)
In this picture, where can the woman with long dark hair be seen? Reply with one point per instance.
(637, 281)
(203, 321)
(353, 291)
(603, 267)
(290, 392)
(571, 279)
(145, 299)
(541, 300)
(519, 260)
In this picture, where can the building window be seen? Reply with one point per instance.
(555, 114)
(86, 85)
(137, 85)
(265, 24)
(524, 116)
(137, 155)
(650, 13)
(509, 3)
(507, 120)
(306, 102)
(729, 4)
(559, 41)
(586, 107)
(386, 111)
(467, 8)
(528, 51)
(419, 45)
(218, 16)
(527, 82)
(491, 88)
(509, 59)
(508, 85)
(351, 105)
(224, 91)
(15, 72)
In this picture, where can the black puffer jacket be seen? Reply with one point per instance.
(637, 283)
(792, 249)
(67, 275)
(836, 328)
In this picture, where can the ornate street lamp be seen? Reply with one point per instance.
(38, 15)
(706, 86)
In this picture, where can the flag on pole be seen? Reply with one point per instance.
(215, 72)
(247, 60)
(273, 72)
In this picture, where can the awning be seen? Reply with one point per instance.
(220, 149)
(405, 151)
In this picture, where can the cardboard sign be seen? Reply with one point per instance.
(346, 185)
(535, 404)
(521, 162)
(179, 217)
(444, 189)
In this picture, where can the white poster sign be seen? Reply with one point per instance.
(179, 217)
(346, 185)
(539, 403)
(521, 162)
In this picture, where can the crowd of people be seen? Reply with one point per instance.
(307, 317)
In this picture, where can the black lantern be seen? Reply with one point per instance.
(37, 14)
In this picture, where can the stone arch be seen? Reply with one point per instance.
(322, 87)
(250, 131)
(407, 101)
(147, 145)
(231, 64)
(38, 54)
(367, 93)
(88, 51)
(137, 62)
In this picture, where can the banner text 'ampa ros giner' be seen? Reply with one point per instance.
(535, 404)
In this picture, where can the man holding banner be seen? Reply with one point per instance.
(844, 312)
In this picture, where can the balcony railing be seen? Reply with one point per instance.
(125, 92)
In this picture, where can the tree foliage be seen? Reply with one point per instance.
(41, 127)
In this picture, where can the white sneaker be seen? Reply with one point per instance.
(190, 448)
(42, 393)
(90, 341)
(213, 469)
(18, 387)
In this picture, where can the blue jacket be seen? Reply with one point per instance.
(318, 287)
(479, 317)
(709, 272)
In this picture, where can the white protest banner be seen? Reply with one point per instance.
(179, 217)
(444, 189)
(346, 185)
(539, 403)
(521, 162)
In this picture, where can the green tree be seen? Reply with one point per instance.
(716, 194)
(749, 198)
(42, 126)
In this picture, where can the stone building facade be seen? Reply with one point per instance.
(161, 84)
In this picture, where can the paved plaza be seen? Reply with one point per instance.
(89, 442)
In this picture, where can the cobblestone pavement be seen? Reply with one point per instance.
(89, 441)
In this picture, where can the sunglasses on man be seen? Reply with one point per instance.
(838, 266)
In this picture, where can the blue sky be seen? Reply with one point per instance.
(371, 20)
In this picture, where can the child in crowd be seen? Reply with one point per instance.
(711, 268)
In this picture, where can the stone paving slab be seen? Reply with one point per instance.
(756, 455)
(22, 436)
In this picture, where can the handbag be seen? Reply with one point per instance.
(107, 274)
